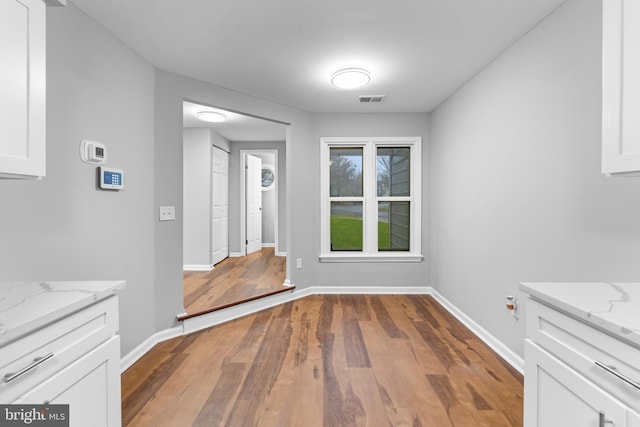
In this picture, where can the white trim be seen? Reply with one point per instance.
(197, 267)
(268, 245)
(235, 254)
(360, 257)
(134, 355)
(284, 254)
(485, 336)
(217, 317)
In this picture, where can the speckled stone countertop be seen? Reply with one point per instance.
(27, 306)
(614, 307)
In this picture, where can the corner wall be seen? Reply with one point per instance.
(517, 193)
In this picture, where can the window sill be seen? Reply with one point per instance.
(357, 257)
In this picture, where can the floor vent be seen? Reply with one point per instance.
(371, 98)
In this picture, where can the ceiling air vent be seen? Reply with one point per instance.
(369, 99)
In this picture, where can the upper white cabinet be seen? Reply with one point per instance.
(621, 87)
(23, 88)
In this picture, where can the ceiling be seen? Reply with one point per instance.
(417, 51)
(238, 127)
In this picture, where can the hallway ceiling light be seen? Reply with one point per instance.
(350, 78)
(211, 116)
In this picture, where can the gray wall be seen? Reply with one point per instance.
(516, 189)
(170, 91)
(62, 227)
(367, 125)
(234, 191)
(196, 198)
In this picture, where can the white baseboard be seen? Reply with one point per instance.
(494, 343)
(134, 355)
(221, 316)
(281, 254)
(197, 267)
(235, 254)
(268, 245)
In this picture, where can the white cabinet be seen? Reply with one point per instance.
(576, 374)
(73, 360)
(90, 386)
(564, 398)
(621, 87)
(23, 87)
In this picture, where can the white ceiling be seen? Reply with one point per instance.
(418, 51)
(238, 127)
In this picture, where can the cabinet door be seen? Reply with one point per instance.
(633, 419)
(620, 86)
(22, 84)
(90, 386)
(556, 396)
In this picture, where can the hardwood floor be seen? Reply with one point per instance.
(234, 281)
(327, 360)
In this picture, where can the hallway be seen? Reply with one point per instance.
(234, 281)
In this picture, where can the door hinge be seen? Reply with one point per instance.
(246, 242)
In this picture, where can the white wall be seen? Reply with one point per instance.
(516, 189)
(63, 227)
(196, 198)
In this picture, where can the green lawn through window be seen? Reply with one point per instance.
(346, 233)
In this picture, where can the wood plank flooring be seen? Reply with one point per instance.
(234, 281)
(327, 360)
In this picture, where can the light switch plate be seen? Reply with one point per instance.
(167, 213)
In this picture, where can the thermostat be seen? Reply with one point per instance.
(93, 152)
(111, 179)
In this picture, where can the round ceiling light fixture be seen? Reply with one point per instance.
(350, 78)
(211, 116)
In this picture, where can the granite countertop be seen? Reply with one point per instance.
(26, 306)
(614, 307)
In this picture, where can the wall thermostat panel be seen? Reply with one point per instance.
(111, 179)
(93, 152)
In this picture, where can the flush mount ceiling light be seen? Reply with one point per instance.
(211, 116)
(350, 78)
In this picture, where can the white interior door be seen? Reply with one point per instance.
(220, 205)
(254, 203)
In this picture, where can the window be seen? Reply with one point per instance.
(371, 199)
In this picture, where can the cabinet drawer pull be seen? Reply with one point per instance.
(36, 362)
(613, 371)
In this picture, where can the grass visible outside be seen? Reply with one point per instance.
(346, 233)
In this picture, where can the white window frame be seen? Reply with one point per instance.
(370, 200)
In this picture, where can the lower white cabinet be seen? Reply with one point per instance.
(557, 396)
(90, 386)
(576, 374)
(72, 359)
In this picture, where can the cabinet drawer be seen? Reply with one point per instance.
(27, 362)
(90, 386)
(580, 346)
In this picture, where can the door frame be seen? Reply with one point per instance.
(243, 198)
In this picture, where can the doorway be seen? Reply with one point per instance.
(226, 273)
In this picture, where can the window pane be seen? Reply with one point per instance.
(346, 226)
(345, 178)
(393, 226)
(393, 171)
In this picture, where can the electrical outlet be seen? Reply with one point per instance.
(299, 263)
(167, 213)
